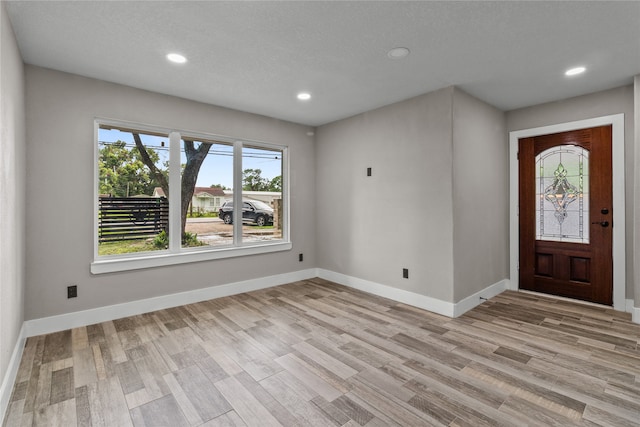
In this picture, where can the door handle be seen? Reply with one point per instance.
(602, 223)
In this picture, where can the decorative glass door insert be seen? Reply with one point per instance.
(562, 199)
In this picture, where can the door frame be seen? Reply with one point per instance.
(619, 261)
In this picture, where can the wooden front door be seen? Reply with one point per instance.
(566, 214)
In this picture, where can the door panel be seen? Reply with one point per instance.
(565, 214)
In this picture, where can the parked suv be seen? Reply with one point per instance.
(253, 211)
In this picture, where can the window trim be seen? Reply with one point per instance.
(175, 254)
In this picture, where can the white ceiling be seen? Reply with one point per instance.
(255, 56)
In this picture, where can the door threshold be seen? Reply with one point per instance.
(577, 301)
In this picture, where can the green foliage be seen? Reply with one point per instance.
(190, 239)
(123, 173)
(222, 187)
(161, 241)
(200, 214)
(252, 180)
(276, 184)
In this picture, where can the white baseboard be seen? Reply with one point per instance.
(411, 298)
(635, 311)
(476, 299)
(102, 314)
(12, 372)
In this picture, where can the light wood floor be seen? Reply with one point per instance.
(316, 353)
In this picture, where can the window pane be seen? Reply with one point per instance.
(562, 194)
(207, 179)
(262, 214)
(133, 207)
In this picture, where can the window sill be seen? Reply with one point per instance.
(150, 260)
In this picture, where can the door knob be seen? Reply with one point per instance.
(603, 223)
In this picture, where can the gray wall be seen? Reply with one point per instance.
(480, 195)
(12, 192)
(60, 112)
(401, 216)
(417, 210)
(613, 101)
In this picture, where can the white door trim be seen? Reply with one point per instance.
(617, 122)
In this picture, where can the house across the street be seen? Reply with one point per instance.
(205, 199)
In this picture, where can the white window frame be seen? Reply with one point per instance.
(175, 254)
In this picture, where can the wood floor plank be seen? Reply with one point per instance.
(151, 369)
(107, 404)
(606, 418)
(15, 413)
(57, 346)
(330, 363)
(353, 410)
(160, 412)
(43, 390)
(317, 353)
(84, 367)
(59, 414)
(83, 409)
(230, 419)
(252, 412)
(206, 399)
(298, 369)
(26, 363)
(383, 383)
(305, 412)
(117, 352)
(189, 411)
(252, 360)
(62, 385)
(79, 338)
(331, 411)
(270, 403)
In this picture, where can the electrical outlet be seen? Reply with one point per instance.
(368, 171)
(300, 257)
(405, 273)
(72, 291)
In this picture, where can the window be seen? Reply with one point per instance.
(133, 210)
(562, 190)
(262, 189)
(166, 197)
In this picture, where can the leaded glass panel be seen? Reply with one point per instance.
(562, 194)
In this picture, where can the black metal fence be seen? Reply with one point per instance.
(131, 218)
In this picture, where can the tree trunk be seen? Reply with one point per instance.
(195, 157)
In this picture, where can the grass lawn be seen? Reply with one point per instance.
(126, 247)
(134, 246)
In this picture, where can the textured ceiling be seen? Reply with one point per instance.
(255, 56)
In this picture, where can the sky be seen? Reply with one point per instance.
(217, 167)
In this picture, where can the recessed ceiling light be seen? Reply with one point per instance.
(575, 71)
(177, 58)
(398, 52)
(304, 96)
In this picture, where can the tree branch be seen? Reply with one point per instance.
(157, 173)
